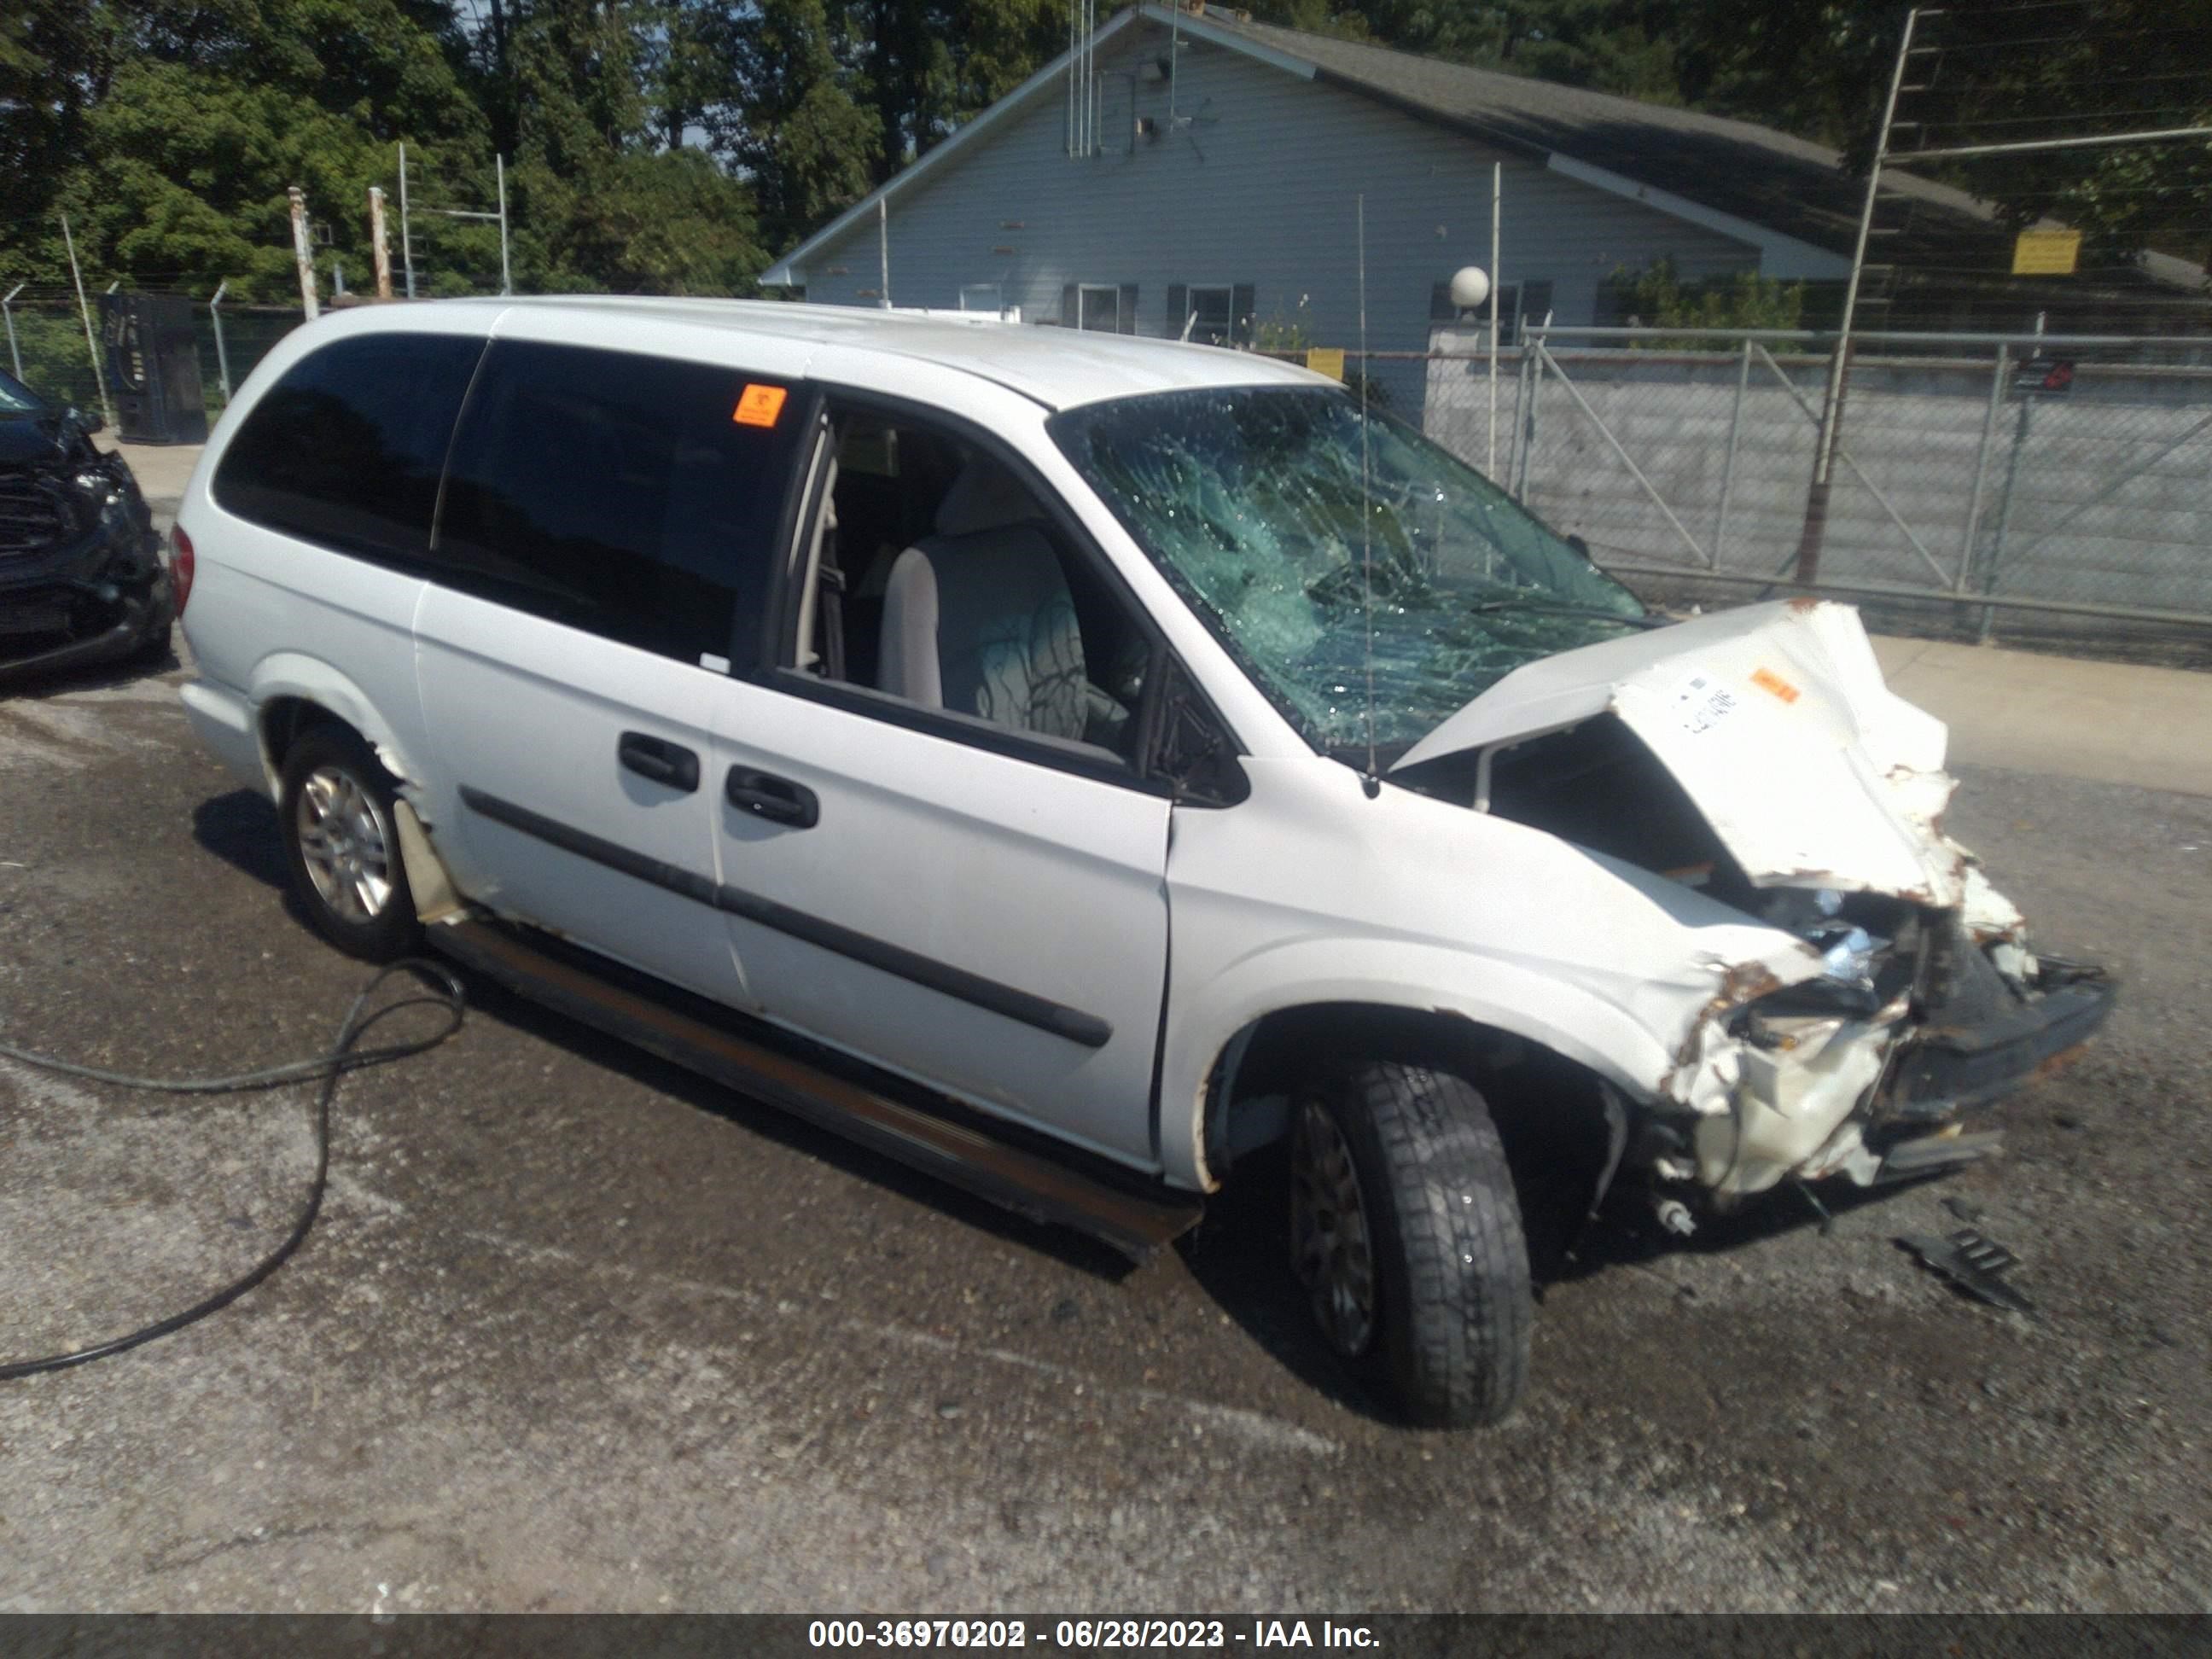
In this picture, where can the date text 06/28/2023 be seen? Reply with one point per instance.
(1088, 1635)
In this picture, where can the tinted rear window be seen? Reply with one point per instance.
(346, 449)
(630, 496)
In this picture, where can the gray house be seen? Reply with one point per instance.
(1202, 174)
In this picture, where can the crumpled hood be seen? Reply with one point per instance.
(1775, 721)
(38, 440)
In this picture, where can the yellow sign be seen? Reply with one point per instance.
(1327, 360)
(2046, 253)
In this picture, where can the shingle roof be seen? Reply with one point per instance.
(1754, 173)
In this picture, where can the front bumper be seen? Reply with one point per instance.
(92, 599)
(1950, 1068)
(132, 624)
(1815, 1096)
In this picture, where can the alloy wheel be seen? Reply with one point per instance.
(346, 842)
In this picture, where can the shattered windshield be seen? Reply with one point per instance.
(1249, 498)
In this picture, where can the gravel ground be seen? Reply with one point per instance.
(579, 1332)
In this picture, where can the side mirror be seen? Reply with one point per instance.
(1579, 545)
(86, 423)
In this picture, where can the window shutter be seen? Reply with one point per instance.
(1535, 302)
(1071, 306)
(1127, 319)
(1243, 301)
(1178, 308)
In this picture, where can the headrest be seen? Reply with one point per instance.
(985, 496)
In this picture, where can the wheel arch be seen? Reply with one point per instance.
(291, 692)
(1563, 1122)
(1268, 1055)
(1456, 996)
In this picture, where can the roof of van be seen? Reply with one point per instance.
(1056, 366)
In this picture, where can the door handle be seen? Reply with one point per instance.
(669, 764)
(777, 799)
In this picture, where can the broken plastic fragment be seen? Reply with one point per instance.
(1974, 1263)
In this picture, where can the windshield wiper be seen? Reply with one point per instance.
(1563, 607)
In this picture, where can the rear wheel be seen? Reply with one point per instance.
(1406, 1236)
(338, 809)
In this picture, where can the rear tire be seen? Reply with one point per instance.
(1406, 1236)
(338, 812)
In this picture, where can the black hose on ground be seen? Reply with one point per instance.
(445, 992)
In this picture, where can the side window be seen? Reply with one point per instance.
(1099, 307)
(637, 497)
(1210, 313)
(951, 587)
(345, 450)
(1195, 753)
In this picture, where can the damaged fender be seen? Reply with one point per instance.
(1406, 902)
(290, 674)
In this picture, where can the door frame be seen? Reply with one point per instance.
(778, 669)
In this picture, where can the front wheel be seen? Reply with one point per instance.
(1406, 1236)
(338, 809)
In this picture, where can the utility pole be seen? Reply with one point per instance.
(883, 252)
(1497, 195)
(302, 256)
(6, 310)
(221, 351)
(1824, 456)
(406, 241)
(379, 249)
(506, 277)
(98, 374)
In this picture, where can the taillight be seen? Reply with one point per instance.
(181, 566)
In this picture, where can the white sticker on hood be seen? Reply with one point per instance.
(1701, 703)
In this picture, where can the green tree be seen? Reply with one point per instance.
(786, 110)
(602, 196)
(56, 59)
(1990, 71)
(195, 117)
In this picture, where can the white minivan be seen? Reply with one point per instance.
(1079, 765)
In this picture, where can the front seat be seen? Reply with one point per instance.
(977, 618)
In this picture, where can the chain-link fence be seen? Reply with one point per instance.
(46, 346)
(232, 339)
(2028, 487)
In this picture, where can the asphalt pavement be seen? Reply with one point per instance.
(578, 1331)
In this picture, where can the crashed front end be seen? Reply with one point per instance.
(1872, 1067)
(1757, 759)
(81, 576)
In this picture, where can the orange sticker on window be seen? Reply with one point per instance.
(759, 405)
(1767, 680)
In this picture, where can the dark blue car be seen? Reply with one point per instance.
(82, 579)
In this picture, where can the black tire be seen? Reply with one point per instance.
(1449, 1301)
(354, 917)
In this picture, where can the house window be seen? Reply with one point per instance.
(982, 296)
(1100, 308)
(1210, 313)
(1514, 300)
(1210, 319)
(1101, 312)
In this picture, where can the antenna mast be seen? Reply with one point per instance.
(1366, 506)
